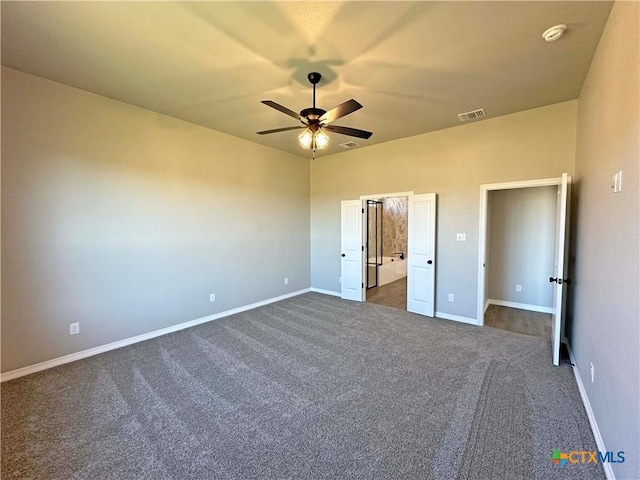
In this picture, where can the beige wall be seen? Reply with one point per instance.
(126, 220)
(605, 328)
(522, 234)
(453, 163)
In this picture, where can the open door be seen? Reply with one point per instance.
(421, 254)
(561, 264)
(352, 250)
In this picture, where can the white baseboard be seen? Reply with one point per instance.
(21, 372)
(608, 469)
(457, 318)
(486, 305)
(325, 292)
(521, 306)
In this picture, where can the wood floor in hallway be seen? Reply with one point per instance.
(520, 321)
(537, 324)
(392, 294)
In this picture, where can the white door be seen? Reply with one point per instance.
(421, 255)
(561, 264)
(352, 251)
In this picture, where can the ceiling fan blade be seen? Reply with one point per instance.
(352, 132)
(285, 110)
(341, 110)
(276, 130)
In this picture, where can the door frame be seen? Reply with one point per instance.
(484, 230)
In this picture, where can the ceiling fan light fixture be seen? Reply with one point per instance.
(321, 139)
(315, 120)
(306, 138)
(313, 138)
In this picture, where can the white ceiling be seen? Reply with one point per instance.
(413, 65)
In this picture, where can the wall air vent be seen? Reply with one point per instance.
(471, 115)
(349, 145)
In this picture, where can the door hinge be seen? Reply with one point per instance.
(363, 248)
(363, 210)
(363, 285)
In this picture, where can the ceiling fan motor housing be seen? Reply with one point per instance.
(312, 114)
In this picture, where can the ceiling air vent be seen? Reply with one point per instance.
(349, 145)
(471, 115)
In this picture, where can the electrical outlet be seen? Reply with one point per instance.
(451, 297)
(461, 237)
(74, 328)
(518, 287)
(286, 281)
(212, 297)
(592, 372)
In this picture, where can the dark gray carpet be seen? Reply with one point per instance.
(312, 387)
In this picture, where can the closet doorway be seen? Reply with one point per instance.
(523, 256)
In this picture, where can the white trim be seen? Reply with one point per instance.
(608, 469)
(486, 305)
(457, 318)
(542, 182)
(385, 195)
(521, 306)
(325, 292)
(21, 372)
(482, 255)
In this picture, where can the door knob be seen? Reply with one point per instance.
(553, 280)
(429, 262)
(343, 255)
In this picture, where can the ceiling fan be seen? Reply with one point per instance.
(316, 120)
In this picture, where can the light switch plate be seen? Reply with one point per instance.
(617, 182)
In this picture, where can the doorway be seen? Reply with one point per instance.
(419, 257)
(523, 246)
(386, 251)
(520, 259)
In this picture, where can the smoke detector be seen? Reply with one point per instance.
(471, 115)
(554, 33)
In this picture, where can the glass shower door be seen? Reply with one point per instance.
(374, 241)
